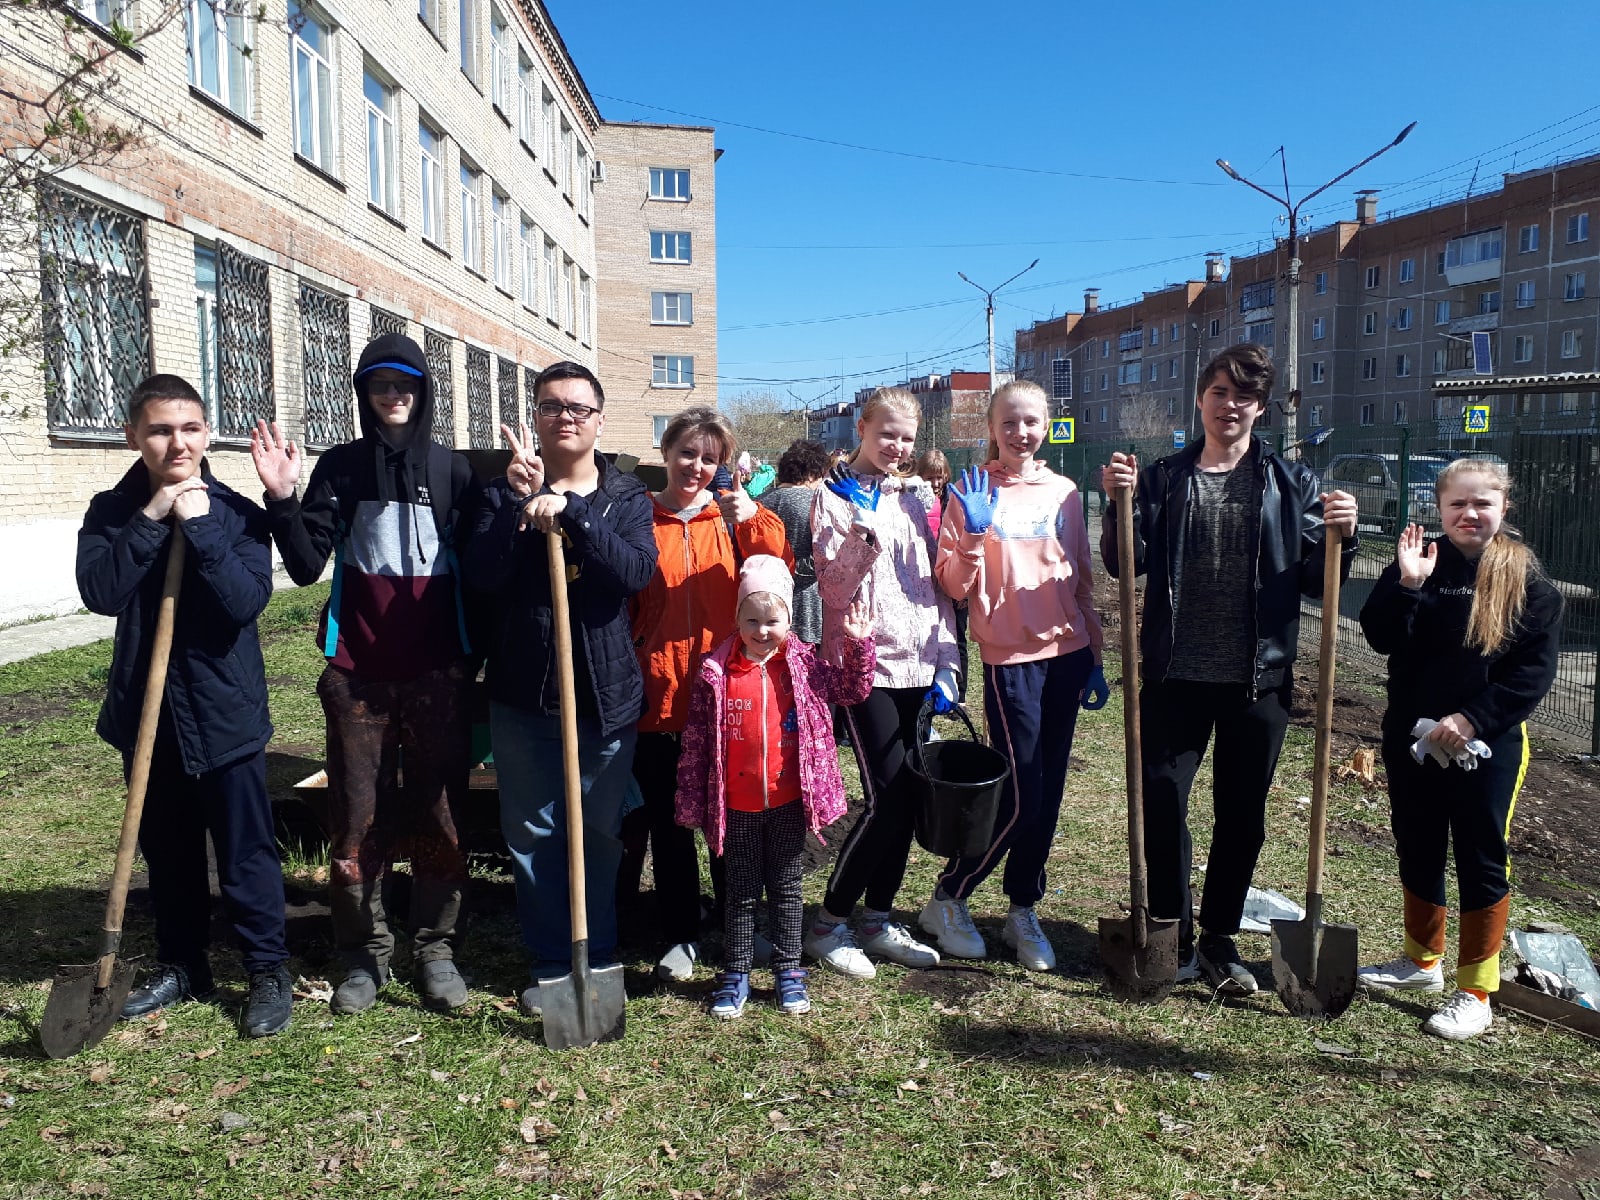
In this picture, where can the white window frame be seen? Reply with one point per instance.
(1408, 270)
(231, 44)
(585, 308)
(1216, 326)
(1527, 293)
(430, 183)
(527, 102)
(1576, 285)
(1402, 319)
(532, 244)
(1527, 239)
(672, 308)
(322, 88)
(1577, 228)
(502, 58)
(1522, 348)
(1368, 414)
(1316, 415)
(1399, 412)
(569, 296)
(668, 371)
(505, 215)
(1319, 328)
(467, 31)
(552, 281)
(1402, 366)
(564, 168)
(1369, 368)
(1488, 302)
(1441, 312)
(1369, 324)
(205, 303)
(1319, 283)
(1319, 372)
(383, 164)
(680, 239)
(583, 185)
(470, 192)
(670, 184)
(1571, 343)
(551, 115)
(1374, 277)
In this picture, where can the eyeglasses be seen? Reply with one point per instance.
(554, 410)
(382, 387)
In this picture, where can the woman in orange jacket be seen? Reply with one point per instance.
(704, 528)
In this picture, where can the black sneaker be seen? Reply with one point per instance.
(1219, 959)
(1188, 967)
(169, 985)
(271, 998)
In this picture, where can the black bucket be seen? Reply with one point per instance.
(960, 784)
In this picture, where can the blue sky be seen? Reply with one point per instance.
(1115, 115)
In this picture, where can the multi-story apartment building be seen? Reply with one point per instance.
(310, 173)
(657, 248)
(954, 410)
(1387, 310)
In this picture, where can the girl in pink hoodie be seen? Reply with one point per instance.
(1013, 545)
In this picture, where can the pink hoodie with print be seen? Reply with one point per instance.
(1029, 575)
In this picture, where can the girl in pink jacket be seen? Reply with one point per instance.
(1014, 545)
(758, 768)
(871, 539)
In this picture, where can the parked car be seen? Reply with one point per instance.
(1374, 480)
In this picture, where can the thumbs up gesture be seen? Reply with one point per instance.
(735, 503)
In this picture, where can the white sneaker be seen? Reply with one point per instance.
(894, 943)
(836, 949)
(677, 964)
(1465, 1016)
(1022, 933)
(1402, 975)
(952, 927)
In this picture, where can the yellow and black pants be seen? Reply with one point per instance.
(1433, 808)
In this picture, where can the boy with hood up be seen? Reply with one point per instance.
(393, 508)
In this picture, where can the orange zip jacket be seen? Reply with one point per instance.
(688, 607)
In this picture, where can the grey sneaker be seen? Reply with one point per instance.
(358, 991)
(677, 964)
(441, 984)
(1219, 959)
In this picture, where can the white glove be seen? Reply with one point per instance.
(1466, 759)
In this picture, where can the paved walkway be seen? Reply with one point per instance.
(76, 629)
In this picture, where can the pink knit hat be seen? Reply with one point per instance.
(766, 573)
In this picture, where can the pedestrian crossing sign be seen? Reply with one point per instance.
(1475, 419)
(1063, 429)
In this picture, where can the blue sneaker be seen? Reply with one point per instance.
(792, 997)
(733, 989)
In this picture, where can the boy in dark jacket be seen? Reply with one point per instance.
(209, 768)
(603, 517)
(1229, 536)
(392, 508)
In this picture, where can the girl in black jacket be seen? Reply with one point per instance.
(1472, 629)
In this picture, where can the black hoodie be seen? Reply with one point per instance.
(396, 514)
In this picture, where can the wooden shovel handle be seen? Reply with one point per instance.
(1332, 541)
(562, 620)
(1133, 760)
(139, 778)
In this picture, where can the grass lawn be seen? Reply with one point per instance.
(972, 1082)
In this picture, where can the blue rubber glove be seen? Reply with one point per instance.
(1095, 690)
(944, 691)
(845, 483)
(977, 499)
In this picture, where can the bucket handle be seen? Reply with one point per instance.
(925, 725)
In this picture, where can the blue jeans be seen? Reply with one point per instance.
(533, 818)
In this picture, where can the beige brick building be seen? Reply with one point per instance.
(656, 243)
(363, 167)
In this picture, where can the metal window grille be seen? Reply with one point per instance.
(384, 322)
(94, 288)
(325, 338)
(244, 343)
(506, 379)
(436, 348)
(530, 379)
(480, 402)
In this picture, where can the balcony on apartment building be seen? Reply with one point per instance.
(1473, 258)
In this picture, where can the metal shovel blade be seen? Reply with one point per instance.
(78, 1014)
(583, 1007)
(1326, 990)
(1142, 977)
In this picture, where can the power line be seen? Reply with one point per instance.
(1171, 237)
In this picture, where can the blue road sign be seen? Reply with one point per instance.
(1178, 436)
(1475, 419)
(1063, 429)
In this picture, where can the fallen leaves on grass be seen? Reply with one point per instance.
(312, 989)
(533, 1127)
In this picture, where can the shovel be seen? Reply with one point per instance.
(1314, 965)
(85, 1001)
(1140, 955)
(586, 1006)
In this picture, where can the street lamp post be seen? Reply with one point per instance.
(988, 297)
(1292, 375)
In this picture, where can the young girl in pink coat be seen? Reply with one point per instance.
(758, 768)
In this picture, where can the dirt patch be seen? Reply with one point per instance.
(948, 983)
(1572, 1175)
(20, 710)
